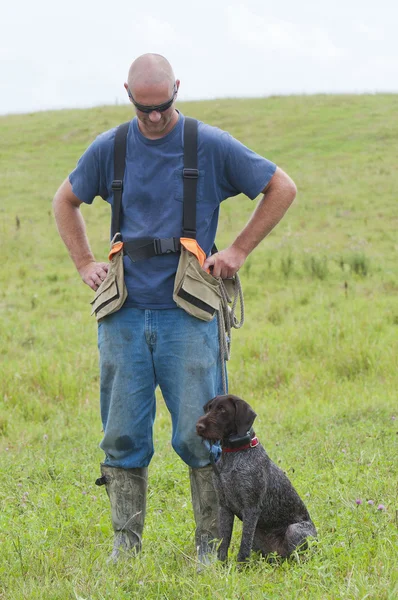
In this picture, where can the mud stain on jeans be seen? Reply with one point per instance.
(123, 442)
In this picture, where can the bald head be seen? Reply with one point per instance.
(150, 70)
(152, 85)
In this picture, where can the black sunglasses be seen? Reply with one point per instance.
(158, 108)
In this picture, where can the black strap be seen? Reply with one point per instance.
(196, 301)
(149, 247)
(190, 176)
(119, 164)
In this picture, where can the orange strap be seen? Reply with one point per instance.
(115, 249)
(193, 247)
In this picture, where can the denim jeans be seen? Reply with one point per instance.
(140, 349)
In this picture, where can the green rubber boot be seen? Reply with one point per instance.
(205, 509)
(126, 489)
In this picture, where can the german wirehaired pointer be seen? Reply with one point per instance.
(250, 486)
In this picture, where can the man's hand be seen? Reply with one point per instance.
(72, 229)
(226, 262)
(94, 273)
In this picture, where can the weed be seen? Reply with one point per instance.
(316, 266)
(287, 264)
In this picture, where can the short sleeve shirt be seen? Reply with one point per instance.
(152, 202)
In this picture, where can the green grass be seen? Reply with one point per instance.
(317, 359)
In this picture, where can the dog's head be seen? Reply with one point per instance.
(224, 416)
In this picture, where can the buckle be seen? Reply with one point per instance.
(165, 245)
(190, 173)
(235, 441)
(189, 233)
(117, 184)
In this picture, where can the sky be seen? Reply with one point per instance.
(76, 54)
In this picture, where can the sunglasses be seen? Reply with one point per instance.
(158, 108)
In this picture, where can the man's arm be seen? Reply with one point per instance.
(72, 230)
(278, 196)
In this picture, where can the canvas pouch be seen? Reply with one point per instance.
(195, 290)
(112, 293)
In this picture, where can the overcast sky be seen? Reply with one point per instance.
(77, 53)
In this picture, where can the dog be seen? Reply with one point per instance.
(250, 486)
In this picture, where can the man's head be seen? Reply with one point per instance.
(151, 85)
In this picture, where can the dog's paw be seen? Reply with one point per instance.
(243, 561)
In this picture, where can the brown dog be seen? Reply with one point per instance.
(250, 486)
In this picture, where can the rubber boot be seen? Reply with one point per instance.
(205, 509)
(126, 489)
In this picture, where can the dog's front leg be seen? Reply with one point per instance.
(225, 526)
(250, 518)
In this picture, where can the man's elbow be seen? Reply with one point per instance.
(291, 189)
(65, 196)
(287, 185)
(283, 185)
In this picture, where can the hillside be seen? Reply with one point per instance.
(317, 359)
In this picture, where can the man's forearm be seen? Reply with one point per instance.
(269, 211)
(278, 196)
(72, 230)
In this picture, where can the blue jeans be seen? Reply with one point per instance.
(140, 349)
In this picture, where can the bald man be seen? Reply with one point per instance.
(150, 341)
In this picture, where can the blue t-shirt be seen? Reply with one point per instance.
(152, 199)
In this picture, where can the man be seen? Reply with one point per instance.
(150, 341)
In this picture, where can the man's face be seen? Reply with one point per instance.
(154, 123)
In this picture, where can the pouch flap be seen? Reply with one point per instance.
(107, 283)
(203, 279)
(206, 293)
(103, 297)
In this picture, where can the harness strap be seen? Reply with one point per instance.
(119, 164)
(190, 175)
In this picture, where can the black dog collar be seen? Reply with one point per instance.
(237, 441)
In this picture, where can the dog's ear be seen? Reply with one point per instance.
(244, 415)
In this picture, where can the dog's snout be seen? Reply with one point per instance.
(200, 427)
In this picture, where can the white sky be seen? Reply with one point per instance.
(77, 53)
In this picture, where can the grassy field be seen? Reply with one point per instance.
(317, 359)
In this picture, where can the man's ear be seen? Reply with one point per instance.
(244, 415)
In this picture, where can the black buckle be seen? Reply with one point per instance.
(117, 185)
(165, 246)
(189, 233)
(234, 441)
(190, 173)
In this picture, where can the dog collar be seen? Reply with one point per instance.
(253, 442)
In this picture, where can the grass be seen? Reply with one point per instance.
(317, 359)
